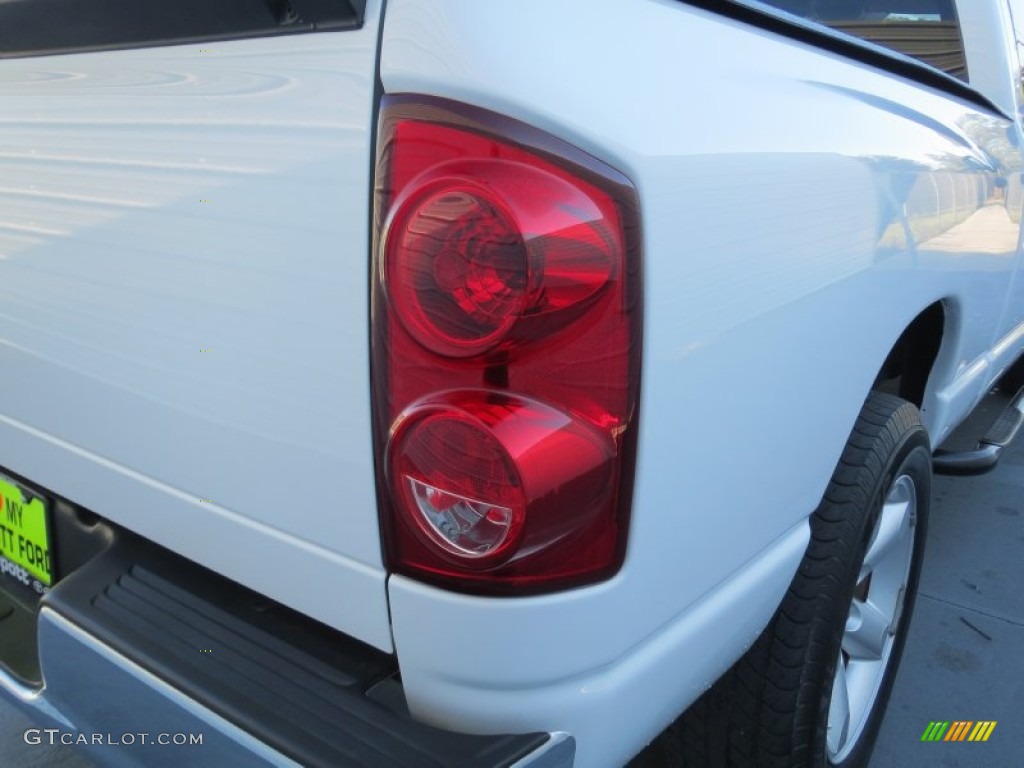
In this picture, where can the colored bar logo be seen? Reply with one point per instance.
(959, 730)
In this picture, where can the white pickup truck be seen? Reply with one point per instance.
(475, 383)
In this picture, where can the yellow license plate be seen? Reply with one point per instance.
(25, 552)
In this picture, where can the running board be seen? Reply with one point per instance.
(990, 448)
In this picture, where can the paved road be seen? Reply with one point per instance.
(15, 752)
(965, 651)
(964, 658)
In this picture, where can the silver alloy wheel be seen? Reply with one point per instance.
(872, 621)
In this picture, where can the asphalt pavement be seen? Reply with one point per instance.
(16, 753)
(964, 659)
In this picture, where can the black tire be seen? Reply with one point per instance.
(771, 709)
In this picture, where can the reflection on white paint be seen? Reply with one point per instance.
(988, 230)
(161, 201)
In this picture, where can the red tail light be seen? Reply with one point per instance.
(506, 352)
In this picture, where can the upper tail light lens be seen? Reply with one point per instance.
(478, 247)
(506, 351)
(457, 269)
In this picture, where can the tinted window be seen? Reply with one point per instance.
(58, 26)
(925, 29)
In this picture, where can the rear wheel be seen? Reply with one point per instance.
(813, 688)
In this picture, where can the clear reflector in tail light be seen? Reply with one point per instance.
(465, 527)
(506, 352)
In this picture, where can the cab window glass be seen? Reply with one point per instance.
(925, 29)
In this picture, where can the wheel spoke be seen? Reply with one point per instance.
(893, 524)
(839, 710)
(867, 629)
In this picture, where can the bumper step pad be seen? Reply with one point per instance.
(291, 682)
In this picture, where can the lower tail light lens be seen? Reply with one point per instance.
(457, 484)
(487, 478)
